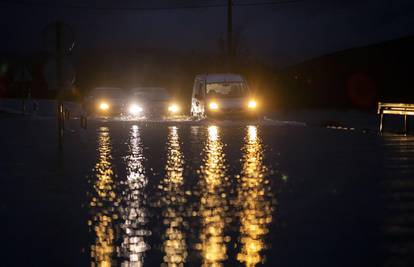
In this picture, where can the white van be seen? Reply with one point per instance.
(216, 95)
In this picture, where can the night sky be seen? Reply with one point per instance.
(280, 34)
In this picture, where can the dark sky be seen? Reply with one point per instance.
(280, 34)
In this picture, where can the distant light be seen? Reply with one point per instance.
(103, 106)
(252, 104)
(135, 109)
(173, 108)
(213, 106)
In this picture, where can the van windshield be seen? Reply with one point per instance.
(234, 89)
(109, 93)
(151, 93)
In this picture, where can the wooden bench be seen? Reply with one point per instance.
(395, 109)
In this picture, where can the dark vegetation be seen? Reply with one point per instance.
(354, 78)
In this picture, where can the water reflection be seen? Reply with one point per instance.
(399, 193)
(120, 219)
(173, 202)
(103, 203)
(213, 204)
(253, 200)
(133, 208)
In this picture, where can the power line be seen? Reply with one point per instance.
(120, 8)
(142, 8)
(268, 3)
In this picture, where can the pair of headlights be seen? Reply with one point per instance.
(135, 109)
(252, 104)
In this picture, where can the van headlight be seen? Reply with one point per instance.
(173, 108)
(103, 106)
(213, 106)
(134, 109)
(252, 104)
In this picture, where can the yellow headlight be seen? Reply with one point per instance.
(213, 106)
(103, 106)
(252, 104)
(173, 108)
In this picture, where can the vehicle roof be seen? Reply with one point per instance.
(103, 88)
(106, 91)
(148, 88)
(222, 77)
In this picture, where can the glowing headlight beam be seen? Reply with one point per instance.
(213, 106)
(252, 104)
(103, 106)
(135, 109)
(173, 108)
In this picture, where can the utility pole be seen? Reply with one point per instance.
(58, 40)
(59, 59)
(230, 33)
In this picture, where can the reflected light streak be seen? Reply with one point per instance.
(212, 133)
(103, 204)
(133, 209)
(213, 205)
(173, 203)
(254, 201)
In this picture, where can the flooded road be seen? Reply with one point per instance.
(199, 210)
(177, 194)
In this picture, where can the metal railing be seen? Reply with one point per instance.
(401, 109)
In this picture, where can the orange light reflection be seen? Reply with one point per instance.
(173, 201)
(253, 200)
(213, 206)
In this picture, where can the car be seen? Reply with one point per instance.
(151, 102)
(221, 95)
(105, 101)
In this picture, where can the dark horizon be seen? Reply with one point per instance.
(278, 34)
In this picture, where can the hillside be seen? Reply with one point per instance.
(357, 77)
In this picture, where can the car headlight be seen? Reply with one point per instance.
(213, 106)
(103, 106)
(134, 109)
(173, 108)
(252, 104)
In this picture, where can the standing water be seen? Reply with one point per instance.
(178, 194)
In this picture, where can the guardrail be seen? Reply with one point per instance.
(401, 109)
